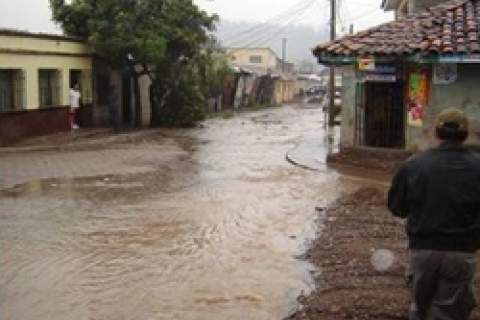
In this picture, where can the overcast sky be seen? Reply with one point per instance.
(34, 15)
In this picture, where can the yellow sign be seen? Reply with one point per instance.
(366, 64)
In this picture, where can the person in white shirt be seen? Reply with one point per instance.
(74, 105)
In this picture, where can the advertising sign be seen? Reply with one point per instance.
(366, 64)
(417, 96)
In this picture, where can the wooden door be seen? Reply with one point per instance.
(384, 115)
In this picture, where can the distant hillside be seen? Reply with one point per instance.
(301, 39)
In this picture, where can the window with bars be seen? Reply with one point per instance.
(12, 89)
(49, 83)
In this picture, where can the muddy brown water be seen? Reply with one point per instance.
(211, 232)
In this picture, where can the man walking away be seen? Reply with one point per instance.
(439, 194)
(74, 106)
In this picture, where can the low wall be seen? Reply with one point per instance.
(17, 125)
(86, 116)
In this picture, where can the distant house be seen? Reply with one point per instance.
(266, 73)
(261, 61)
(398, 76)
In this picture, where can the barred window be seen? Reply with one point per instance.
(12, 89)
(49, 81)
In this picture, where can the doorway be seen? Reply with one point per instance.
(127, 114)
(75, 78)
(384, 123)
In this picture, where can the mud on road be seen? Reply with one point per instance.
(362, 255)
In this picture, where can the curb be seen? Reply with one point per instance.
(290, 159)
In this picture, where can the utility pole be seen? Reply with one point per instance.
(331, 111)
(284, 53)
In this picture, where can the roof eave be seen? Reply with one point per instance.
(335, 60)
(419, 57)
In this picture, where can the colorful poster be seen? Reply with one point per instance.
(417, 97)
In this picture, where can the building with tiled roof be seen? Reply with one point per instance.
(449, 28)
(400, 74)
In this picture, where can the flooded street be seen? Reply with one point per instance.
(193, 224)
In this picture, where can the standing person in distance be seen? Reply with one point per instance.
(74, 105)
(438, 192)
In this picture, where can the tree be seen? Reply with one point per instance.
(159, 38)
(183, 85)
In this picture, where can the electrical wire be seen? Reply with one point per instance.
(264, 26)
(270, 20)
(266, 39)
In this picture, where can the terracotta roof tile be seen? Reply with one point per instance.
(448, 28)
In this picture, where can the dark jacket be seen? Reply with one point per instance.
(439, 192)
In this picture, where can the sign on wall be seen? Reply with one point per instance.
(373, 71)
(366, 64)
(445, 73)
(379, 77)
(417, 96)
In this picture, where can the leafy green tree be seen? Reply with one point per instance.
(184, 86)
(159, 38)
(217, 69)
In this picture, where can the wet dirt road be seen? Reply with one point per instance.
(209, 228)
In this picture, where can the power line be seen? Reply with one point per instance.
(272, 29)
(267, 38)
(244, 35)
(270, 20)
